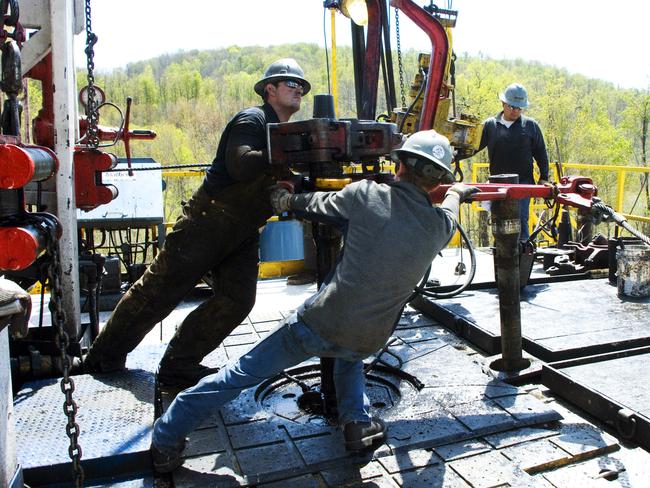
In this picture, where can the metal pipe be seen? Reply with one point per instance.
(358, 49)
(20, 165)
(371, 62)
(8, 460)
(506, 227)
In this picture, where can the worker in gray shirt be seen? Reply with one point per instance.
(393, 233)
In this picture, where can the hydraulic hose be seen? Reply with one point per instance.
(415, 100)
(621, 220)
(422, 289)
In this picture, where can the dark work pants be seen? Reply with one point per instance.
(211, 235)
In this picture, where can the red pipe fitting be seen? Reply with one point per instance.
(26, 239)
(22, 245)
(22, 165)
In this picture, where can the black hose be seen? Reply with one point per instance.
(415, 100)
(547, 226)
(621, 220)
(429, 292)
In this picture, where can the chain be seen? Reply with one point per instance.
(62, 340)
(399, 59)
(91, 106)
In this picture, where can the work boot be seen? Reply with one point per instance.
(301, 279)
(165, 461)
(360, 436)
(181, 378)
(83, 366)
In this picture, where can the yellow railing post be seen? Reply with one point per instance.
(620, 189)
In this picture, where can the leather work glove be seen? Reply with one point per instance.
(281, 198)
(463, 191)
(15, 308)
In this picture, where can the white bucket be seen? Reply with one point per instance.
(633, 271)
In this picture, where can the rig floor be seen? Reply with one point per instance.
(458, 425)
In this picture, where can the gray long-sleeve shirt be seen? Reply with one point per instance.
(393, 234)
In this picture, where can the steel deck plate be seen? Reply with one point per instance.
(457, 423)
(559, 320)
(249, 443)
(115, 414)
(608, 387)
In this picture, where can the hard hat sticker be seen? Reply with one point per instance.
(438, 151)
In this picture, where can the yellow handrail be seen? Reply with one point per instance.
(607, 167)
(181, 174)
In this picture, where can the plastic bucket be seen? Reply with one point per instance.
(633, 271)
(282, 240)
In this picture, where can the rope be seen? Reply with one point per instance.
(162, 168)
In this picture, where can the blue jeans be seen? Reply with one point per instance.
(287, 346)
(524, 211)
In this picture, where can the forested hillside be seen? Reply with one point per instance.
(187, 98)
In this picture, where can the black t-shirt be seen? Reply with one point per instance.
(247, 128)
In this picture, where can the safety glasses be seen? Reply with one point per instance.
(512, 107)
(427, 169)
(294, 84)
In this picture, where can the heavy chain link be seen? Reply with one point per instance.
(399, 59)
(62, 341)
(92, 137)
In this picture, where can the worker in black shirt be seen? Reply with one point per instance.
(218, 232)
(513, 141)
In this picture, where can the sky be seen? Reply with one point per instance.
(608, 40)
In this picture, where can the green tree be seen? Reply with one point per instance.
(188, 98)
